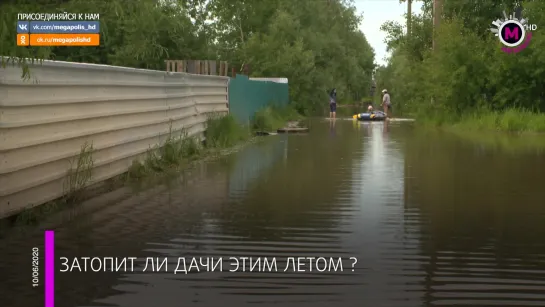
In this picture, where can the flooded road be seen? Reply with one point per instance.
(432, 220)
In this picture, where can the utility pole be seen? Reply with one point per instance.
(409, 16)
(437, 11)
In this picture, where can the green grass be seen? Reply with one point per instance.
(510, 120)
(273, 118)
(78, 177)
(178, 151)
(225, 131)
(512, 130)
(80, 173)
(175, 152)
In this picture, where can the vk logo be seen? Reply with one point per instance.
(22, 27)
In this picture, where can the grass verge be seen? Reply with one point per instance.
(513, 130)
(179, 151)
(510, 120)
(272, 118)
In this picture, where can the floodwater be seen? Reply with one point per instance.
(432, 219)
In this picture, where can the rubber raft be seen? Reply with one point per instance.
(372, 116)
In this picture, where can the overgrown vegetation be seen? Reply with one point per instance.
(80, 173)
(78, 177)
(467, 82)
(223, 132)
(274, 117)
(315, 44)
(170, 155)
(178, 151)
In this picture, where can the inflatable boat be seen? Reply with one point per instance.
(371, 116)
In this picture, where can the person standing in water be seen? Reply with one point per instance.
(333, 103)
(386, 103)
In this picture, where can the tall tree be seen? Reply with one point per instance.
(467, 70)
(316, 44)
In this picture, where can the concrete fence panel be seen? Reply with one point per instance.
(121, 112)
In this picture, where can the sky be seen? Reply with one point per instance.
(375, 13)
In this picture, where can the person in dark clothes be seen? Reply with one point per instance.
(333, 103)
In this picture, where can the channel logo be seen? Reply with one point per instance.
(513, 33)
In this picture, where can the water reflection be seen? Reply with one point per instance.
(391, 274)
(281, 214)
(481, 214)
(249, 165)
(433, 221)
(332, 127)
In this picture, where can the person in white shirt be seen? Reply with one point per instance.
(386, 103)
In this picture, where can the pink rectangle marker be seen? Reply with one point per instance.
(49, 268)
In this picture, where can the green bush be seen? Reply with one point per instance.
(224, 131)
(466, 81)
